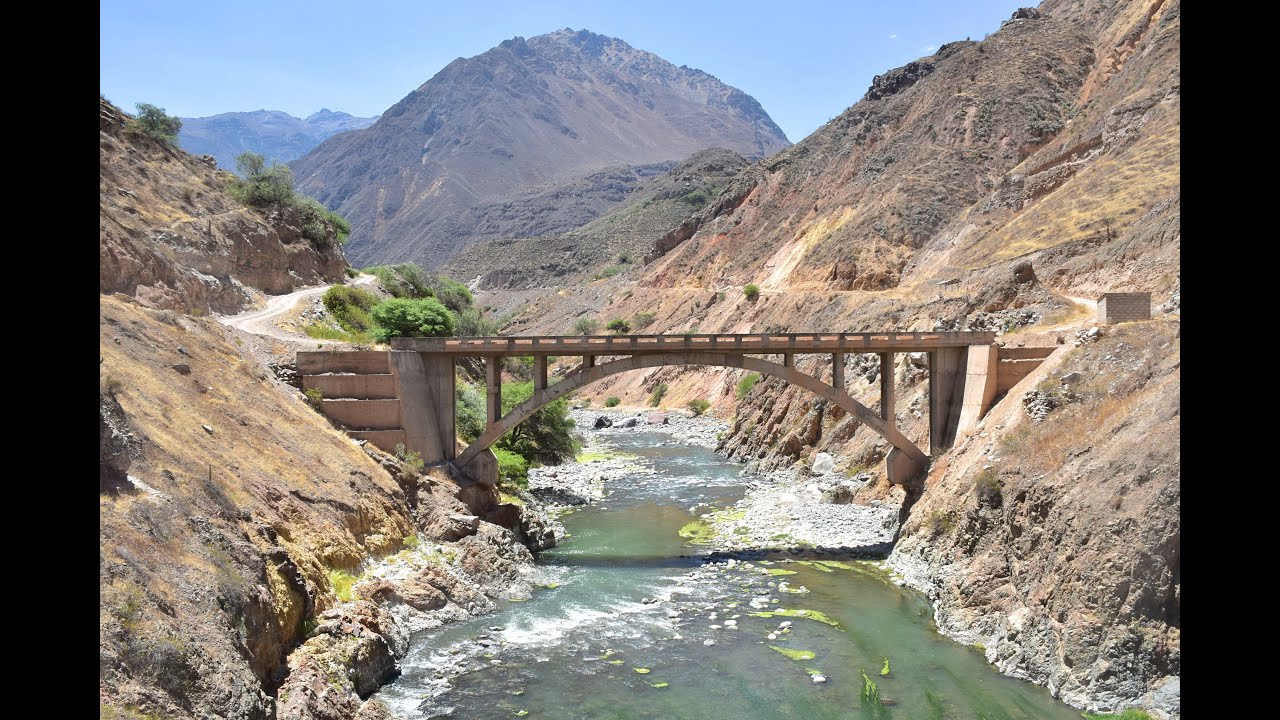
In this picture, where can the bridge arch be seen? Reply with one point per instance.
(587, 375)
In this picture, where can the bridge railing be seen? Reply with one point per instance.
(717, 342)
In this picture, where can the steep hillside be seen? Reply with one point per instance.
(617, 241)
(275, 135)
(172, 236)
(229, 512)
(548, 109)
(983, 187)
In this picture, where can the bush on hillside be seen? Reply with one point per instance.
(401, 317)
(752, 291)
(658, 393)
(452, 293)
(619, 326)
(642, 320)
(153, 121)
(698, 406)
(513, 469)
(350, 307)
(266, 185)
(745, 384)
(585, 326)
(612, 401)
(473, 323)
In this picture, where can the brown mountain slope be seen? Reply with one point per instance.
(226, 505)
(972, 189)
(170, 234)
(551, 108)
(615, 242)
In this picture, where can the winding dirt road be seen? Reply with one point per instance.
(262, 321)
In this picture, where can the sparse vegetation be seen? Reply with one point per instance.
(619, 326)
(986, 485)
(350, 307)
(656, 396)
(608, 272)
(698, 406)
(642, 320)
(745, 384)
(612, 401)
(402, 317)
(341, 582)
(156, 123)
(752, 291)
(941, 521)
(585, 326)
(406, 280)
(409, 458)
(272, 185)
(315, 397)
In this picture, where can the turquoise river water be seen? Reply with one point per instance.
(580, 647)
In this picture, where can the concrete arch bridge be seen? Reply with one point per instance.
(406, 395)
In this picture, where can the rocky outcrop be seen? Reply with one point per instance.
(1056, 545)
(172, 236)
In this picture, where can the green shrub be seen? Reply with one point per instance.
(941, 521)
(698, 406)
(410, 459)
(657, 395)
(697, 198)
(262, 185)
(401, 317)
(607, 272)
(406, 280)
(453, 294)
(351, 272)
(619, 326)
(612, 401)
(546, 436)
(642, 320)
(473, 323)
(585, 326)
(324, 332)
(350, 307)
(153, 121)
(411, 542)
(513, 469)
(987, 487)
(469, 410)
(341, 583)
(315, 397)
(745, 384)
(752, 291)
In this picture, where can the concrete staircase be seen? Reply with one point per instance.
(359, 393)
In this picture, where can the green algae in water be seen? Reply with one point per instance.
(870, 693)
(642, 671)
(659, 685)
(615, 662)
(780, 571)
(548, 586)
(808, 614)
(698, 532)
(797, 655)
(836, 564)
(815, 565)
(885, 670)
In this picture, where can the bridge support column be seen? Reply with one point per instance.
(588, 362)
(539, 372)
(788, 360)
(901, 469)
(979, 385)
(946, 395)
(424, 385)
(493, 382)
(887, 402)
(837, 371)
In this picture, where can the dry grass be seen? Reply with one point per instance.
(1044, 446)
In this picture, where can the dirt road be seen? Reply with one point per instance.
(262, 321)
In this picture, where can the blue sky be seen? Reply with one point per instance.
(804, 60)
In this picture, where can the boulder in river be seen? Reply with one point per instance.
(603, 422)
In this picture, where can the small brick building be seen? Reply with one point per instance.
(1123, 307)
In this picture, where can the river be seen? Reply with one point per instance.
(633, 622)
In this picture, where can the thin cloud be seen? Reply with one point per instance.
(928, 48)
(893, 36)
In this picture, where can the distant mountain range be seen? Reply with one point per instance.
(519, 120)
(276, 135)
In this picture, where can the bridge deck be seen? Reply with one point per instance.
(862, 342)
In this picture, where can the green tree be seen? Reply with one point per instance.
(752, 291)
(452, 293)
(350, 307)
(402, 317)
(473, 323)
(619, 326)
(546, 436)
(585, 326)
(469, 410)
(157, 124)
(655, 398)
(263, 184)
(698, 406)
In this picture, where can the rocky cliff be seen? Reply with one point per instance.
(275, 135)
(548, 109)
(171, 235)
(233, 521)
